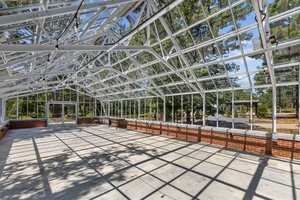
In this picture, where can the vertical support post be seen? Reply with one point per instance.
(181, 109)
(251, 110)
(2, 109)
(121, 108)
(46, 99)
(203, 109)
(192, 108)
(164, 109)
(139, 109)
(17, 107)
(173, 114)
(101, 114)
(95, 107)
(274, 112)
(156, 108)
(37, 106)
(134, 108)
(150, 109)
(232, 108)
(125, 109)
(26, 107)
(76, 113)
(115, 108)
(299, 100)
(217, 109)
(130, 109)
(63, 113)
(145, 109)
(77, 99)
(108, 108)
(47, 112)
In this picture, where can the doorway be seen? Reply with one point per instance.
(61, 112)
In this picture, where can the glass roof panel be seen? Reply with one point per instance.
(218, 42)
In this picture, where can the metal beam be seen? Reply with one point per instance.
(48, 48)
(26, 17)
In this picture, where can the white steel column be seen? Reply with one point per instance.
(139, 109)
(2, 109)
(251, 110)
(156, 108)
(95, 107)
(145, 109)
(17, 107)
(181, 108)
(192, 108)
(274, 112)
(264, 31)
(108, 108)
(232, 108)
(173, 114)
(121, 108)
(76, 113)
(125, 109)
(299, 100)
(130, 109)
(77, 99)
(203, 109)
(101, 109)
(37, 106)
(26, 107)
(63, 114)
(150, 109)
(114, 109)
(134, 108)
(217, 109)
(164, 110)
(46, 110)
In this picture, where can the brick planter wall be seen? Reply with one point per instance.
(16, 124)
(121, 123)
(3, 131)
(250, 143)
(85, 120)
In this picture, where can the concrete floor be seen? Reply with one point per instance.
(96, 162)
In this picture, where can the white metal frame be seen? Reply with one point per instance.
(63, 103)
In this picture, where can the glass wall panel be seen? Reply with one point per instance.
(147, 108)
(262, 109)
(160, 109)
(211, 108)
(197, 109)
(169, 109)
(225, 109)
(142, 108)
(177, 108)
(287, 109)
(22, 107)
(153, 116)
(32, 106)
(187, 109)
(11, 109)
(41, 105)
(69, 113)
(242, 109)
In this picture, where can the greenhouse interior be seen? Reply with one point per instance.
(149, 99)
